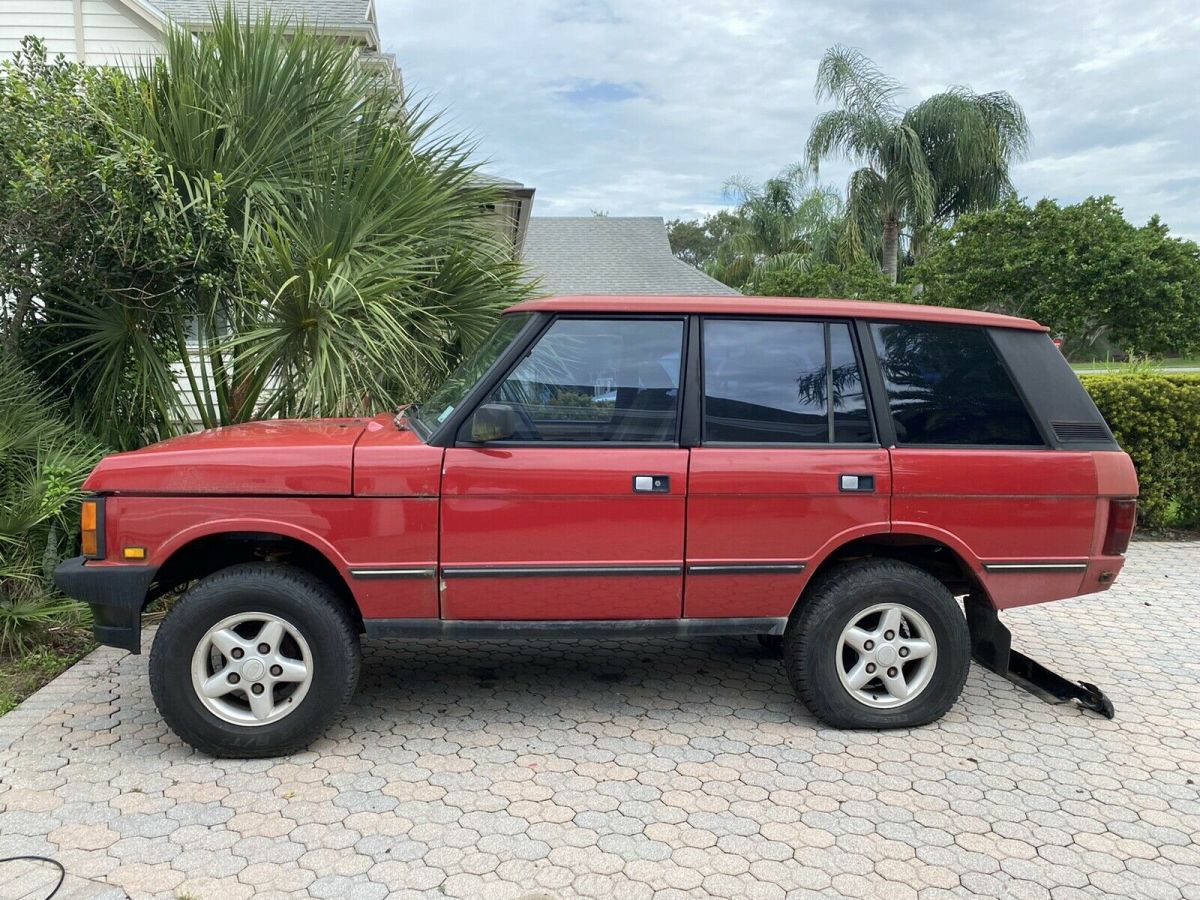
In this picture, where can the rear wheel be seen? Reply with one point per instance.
(878, 644)
(256, 660)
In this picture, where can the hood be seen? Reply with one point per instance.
(283, 456)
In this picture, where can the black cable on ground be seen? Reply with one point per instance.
(62, 872)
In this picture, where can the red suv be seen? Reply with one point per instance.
(827, 475)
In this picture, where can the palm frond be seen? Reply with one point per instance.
(848, 77)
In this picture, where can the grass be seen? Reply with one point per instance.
(1113, 366)
(23, 673)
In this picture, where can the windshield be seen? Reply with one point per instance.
(442, 402)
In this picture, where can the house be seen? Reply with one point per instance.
(126, 32)
(610, 255)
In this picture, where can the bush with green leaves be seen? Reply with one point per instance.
(256, 218)
(1156, 419)
(43, 460)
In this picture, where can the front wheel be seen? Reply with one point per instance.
(878, 644)
(255, 660)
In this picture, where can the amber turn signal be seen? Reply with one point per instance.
(134, 552)
(90, 529)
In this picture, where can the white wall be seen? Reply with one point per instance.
(116, 36)
(112, 33)
(51, 20)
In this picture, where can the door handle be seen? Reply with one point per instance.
(652, 484)
(857, 484)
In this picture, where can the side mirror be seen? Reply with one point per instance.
(493, 422)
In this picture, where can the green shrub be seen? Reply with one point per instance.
(43, 460)
(1156, 418)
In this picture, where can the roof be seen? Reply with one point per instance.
(330, 14)
(610, 255)
(776, 306)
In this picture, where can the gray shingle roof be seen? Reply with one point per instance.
(610, 255)
(329, 13)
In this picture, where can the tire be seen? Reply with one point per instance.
(823, 664)
(318, 646)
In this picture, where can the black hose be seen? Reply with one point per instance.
(62, 872)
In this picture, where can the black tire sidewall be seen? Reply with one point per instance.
(307, 605)
(811, 648)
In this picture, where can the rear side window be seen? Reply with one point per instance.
(771, 381)
(946, 385)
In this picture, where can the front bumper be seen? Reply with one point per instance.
(116, 595)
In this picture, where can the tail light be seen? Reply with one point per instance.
(91, 521)
(1122, 516)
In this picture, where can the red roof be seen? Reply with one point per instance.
(775, 306)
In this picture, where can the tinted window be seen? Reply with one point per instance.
(851, 419)
(595, 380)
(769, 382)
(946, 385)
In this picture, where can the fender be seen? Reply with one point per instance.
(240, 524)
(905, 529)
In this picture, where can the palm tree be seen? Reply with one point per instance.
(338, 248)
(920, 167)
(789, 221)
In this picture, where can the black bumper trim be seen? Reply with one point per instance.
(116, 595)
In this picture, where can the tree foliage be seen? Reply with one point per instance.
(858, 281)
(1081, 269)
(918, 167)
(255, 218)
(788, 221)
(696, 241)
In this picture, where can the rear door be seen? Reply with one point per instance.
(787, 462)
(580, 513)
(972, 467)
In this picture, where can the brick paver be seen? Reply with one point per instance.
(630, 770)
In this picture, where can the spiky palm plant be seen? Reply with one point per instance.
(42, 462)
(344, 250)
(947, 155)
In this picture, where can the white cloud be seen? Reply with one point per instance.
(648, 108)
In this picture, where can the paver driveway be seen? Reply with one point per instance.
(601, 769)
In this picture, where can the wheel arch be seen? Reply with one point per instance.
(941, 555)
(198, 555)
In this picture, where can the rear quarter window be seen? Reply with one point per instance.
(946, 385)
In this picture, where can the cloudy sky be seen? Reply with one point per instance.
(648, 107)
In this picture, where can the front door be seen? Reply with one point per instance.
(579, 514)
(788, 462)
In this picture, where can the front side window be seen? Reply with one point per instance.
(598, 380)
(443, 401)
(771, 381)
(946, 385)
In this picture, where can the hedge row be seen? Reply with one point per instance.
(1156, 418)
